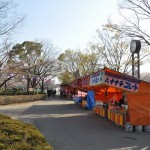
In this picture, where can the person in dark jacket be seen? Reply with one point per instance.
(54, 93)
(48, 93)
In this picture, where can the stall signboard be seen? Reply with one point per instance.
(85, 81)
(122, 81)
(97, 78)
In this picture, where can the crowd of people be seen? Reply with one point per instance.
(51, 93)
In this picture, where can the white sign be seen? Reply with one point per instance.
(97, 78)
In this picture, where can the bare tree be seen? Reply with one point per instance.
(49, 67)
(9, 20)
(135, 22)
(136, 19)
(113, 49)
(145, 76)
(6, 71)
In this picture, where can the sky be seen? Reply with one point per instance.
(66, 23)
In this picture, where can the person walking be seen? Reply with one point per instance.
(54, 93)
(48, 93)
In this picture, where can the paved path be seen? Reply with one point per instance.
(67, 126)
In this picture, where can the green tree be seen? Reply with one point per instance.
(33, 62)
(66, 77)
(76, 64)
(26, 57)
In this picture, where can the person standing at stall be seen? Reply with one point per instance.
(121, 102)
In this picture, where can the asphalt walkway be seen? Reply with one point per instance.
(66, 126)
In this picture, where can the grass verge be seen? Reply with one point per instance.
(16, 135)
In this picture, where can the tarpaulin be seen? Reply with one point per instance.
(90, 100)
(77, 99)
(139, 105)
(110, 96)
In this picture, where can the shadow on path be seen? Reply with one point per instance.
(69, 127)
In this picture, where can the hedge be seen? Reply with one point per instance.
(5, 100)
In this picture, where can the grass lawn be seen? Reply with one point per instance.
(16, 135)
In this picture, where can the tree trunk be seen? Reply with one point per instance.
(42, 87)
(28, 81)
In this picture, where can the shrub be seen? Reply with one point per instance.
(16, 135)
(5, 100)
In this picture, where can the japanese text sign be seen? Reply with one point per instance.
(97, 78)
(121, 81)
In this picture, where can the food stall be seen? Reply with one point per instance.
(120, 98)
(64, 90)
(112, 87)
(79, 94)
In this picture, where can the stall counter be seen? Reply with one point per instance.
(117, 117)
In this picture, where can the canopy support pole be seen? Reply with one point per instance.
(106, 104)
(125, 102)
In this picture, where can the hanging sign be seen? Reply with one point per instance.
(97, 78)
(116, 80)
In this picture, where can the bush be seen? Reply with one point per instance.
(5, 100)
(3, 92)
(16, 135)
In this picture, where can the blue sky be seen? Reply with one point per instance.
(66, 23)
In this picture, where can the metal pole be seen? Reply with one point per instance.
(138, 57)
(132, 64)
